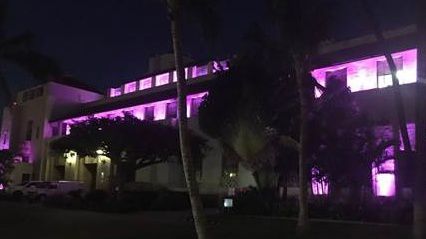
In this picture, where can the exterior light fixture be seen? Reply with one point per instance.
(228, 202)
(231, 175)
(100, 152)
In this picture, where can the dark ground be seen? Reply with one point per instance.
(22, 220)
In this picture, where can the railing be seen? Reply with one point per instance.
(166, 78)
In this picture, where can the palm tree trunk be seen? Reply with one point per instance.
(187, 161)
(305, 103)
(419, 220)
(395, 83)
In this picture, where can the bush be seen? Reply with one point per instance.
(249, 201)
(168, 200)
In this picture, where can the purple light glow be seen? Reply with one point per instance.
(145, 83)
(220, 65)
(362, 75)
(130, 87)
(319, 186)
(162, 79)
(175, 74)
(200, 71)
(138, 111)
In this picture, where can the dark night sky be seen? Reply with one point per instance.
(105, 43)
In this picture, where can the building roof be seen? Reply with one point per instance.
(74, 82)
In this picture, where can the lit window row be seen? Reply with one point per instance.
(169, 77)
(369, 73)
(161, 110)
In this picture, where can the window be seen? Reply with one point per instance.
(201, 71)
(162, 79)
(384, 76)
(336, 78)
(29, 132)
(145, 84)
(115, 92)
(130, 87)
(195, 104)
(171, 110)
(175, 75)
(220, 66)
(149, 113)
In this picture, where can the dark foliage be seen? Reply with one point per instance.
(127, 140)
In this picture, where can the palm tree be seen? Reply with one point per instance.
(17, 50)
(419, 215)
(419, 220)
(175, 8)
(303, 25)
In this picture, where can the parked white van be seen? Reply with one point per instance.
(42, 189)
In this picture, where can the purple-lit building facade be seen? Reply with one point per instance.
(46, 112)
(360, 64)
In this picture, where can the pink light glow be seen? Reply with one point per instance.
(319, 186)
(362, 75)
(130, 87)
(220, 65)
(145, 83)
(162, 79)
(138, 111)
(200, 71)
(385, 185)
(411, 128)
(4, 141)
(115, 92)
(175, 74)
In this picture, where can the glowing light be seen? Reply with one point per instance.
(1, 187)
(319, 186)
(231, 175)
(385, 184)
(100, 152)
(162, 79)
(130, 87)
(145, 84)
(228, 202)
(362, 74)
(71, 157)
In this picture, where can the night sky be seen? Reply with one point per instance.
(105, 43)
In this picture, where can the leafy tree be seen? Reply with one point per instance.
(18, 50)
(344, 140)
(130, 143)
(243, 113)
(6, 166)
(303, 24)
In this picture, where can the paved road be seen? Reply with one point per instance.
(34, 221)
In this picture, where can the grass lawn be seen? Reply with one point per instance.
(21, 220)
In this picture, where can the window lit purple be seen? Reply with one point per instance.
(130, 87)
(201, 71)
(145, 83)
(372, 73)
(162, 79)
